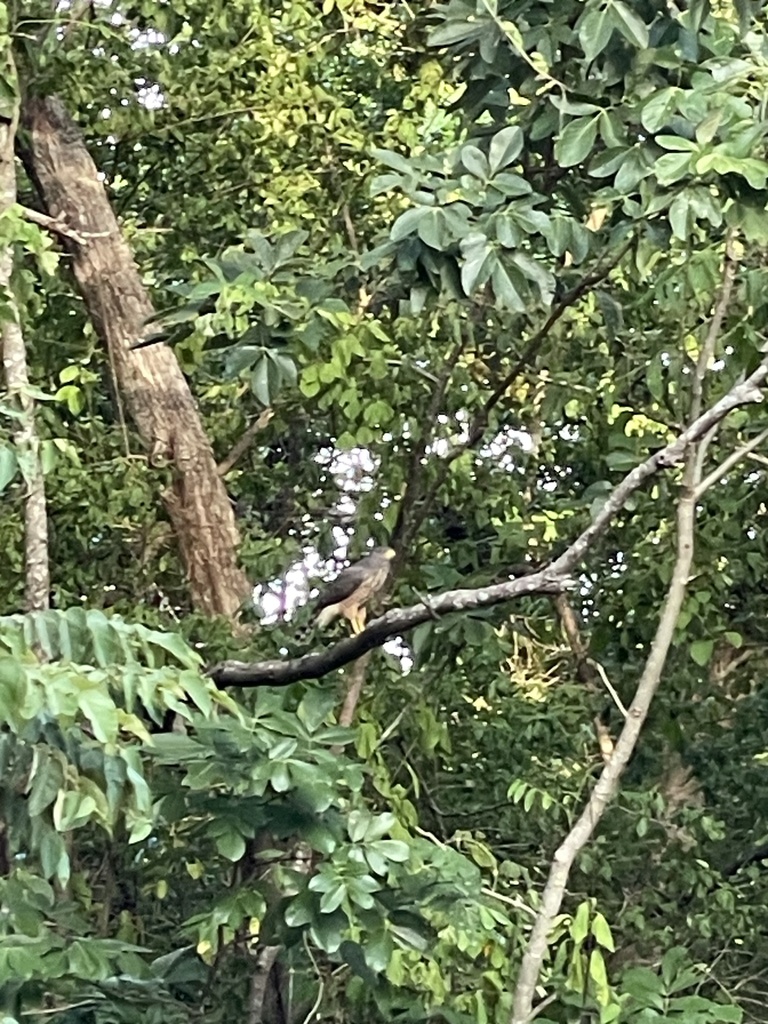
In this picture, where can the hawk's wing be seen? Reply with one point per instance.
(346, 583)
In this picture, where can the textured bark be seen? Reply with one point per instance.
(14, 357)
(149, 382)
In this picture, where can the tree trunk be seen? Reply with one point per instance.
(14, 358)
(149, 382)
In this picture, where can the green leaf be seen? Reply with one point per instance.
(602, 932)
(672, 167)
(679, 217)
(375, 827)
(391, 849)
(659, 108)
(316, 705)
(580, 927)
(677, 144)
(479, 259)
(231, 845)
(504, 290)
(407, 223)
(632, 27)
(394, 160)
(613, 313)
(101, 712)
(475, 161)
(595, 29)
(576, 141)
(599, 976)
(701, 651)
(8, 466)
(455, 31)
(505, 147)
(260, 381)
(433, 229)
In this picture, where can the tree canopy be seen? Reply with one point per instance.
(484, 281)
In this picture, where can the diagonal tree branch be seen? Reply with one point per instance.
(607, 785)
(730, 461)
(550, 580)
(479, 424)
(394, 622)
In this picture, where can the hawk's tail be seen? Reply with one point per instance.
(326, 616)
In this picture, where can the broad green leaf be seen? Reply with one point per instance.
(680, 217)
(629, 24)
(599, 977)
(479, 260)
(231, 845)
(672, 167)
(701, 651)
(580, 926)
(407, 223)
(505, 147)
(475, 161)
(595, 29)
(659, 108)
(576, 141)
(504, 289)
(601, 930)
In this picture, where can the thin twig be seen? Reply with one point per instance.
(609, 686)
(479, 423)
(351, 233)
(708, 350)
(509, 900)
(478, 426)
(320, 982)
(728, 463)
(415, 506)
(241, 446)
(391, 727)
(60, 227)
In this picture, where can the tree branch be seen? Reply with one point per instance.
(550, 580)
(478, 426)
(608, 783)
(396, 621)
(244, 442)
(605, 789)
(59, 227)
(728, 463)
(413, 509)
(13, 358)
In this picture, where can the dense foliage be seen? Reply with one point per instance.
(454, 267)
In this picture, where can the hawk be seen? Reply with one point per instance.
(353, 588)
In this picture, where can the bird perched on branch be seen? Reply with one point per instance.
(353, 588)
